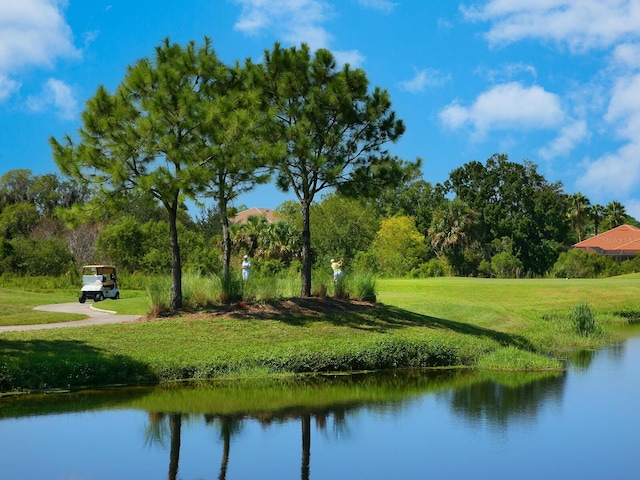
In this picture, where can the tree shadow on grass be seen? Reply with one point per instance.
(373, 317)
(54, 364)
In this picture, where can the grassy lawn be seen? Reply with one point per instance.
(421, 322)
(16, 306)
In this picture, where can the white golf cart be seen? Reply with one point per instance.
(98, 283)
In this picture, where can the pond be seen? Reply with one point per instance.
(410, 425)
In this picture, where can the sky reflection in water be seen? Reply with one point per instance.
(581, 424)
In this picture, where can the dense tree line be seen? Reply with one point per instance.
(527, 232)
(183, 125)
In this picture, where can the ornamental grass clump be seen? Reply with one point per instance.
(363, 286)
(583, 320)
(158, 293)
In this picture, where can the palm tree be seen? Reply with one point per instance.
(597, 215)
(615, 214)
(453, 229)
(578, 210)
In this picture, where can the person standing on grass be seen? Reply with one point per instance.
(246, 268)
(337, 269)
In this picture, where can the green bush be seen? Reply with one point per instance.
(48, 257)
(433, 268)
(159, 291)
(340, 288)
(506, 265)
(583, 320)
(579, 264)
(362, 286)
(231, 289)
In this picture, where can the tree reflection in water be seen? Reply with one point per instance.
(502, 401)
(229, 426)
(157, 431)
(499, 398)
(162, 425)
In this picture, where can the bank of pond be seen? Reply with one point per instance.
(519, 325)
(403, 423)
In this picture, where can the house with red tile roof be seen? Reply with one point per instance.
(622, 242)
(243, 216)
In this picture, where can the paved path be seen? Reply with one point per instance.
(97, 316)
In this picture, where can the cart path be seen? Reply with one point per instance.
(97, 316)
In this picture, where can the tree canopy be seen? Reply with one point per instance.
(148, 136)
(514, 200)
(334, 128)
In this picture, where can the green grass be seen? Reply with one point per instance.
(16, 306)
(492, 324)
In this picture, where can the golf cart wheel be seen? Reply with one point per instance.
(81, 299)
(117, 297)
(99, 297)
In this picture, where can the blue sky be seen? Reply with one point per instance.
(556, 82)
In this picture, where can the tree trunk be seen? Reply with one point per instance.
(226, 435)
(226, 238)
(176, 262)
(306, 446)
(175, 425)
(306, 251)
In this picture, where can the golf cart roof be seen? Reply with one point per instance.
(99, 266)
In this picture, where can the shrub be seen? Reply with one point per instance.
(268, 267)
(363, 286)
(583, 320)
(433, 268)
(578, 264)
(159, 292)
(506, 265)
(340, 288)
(198, 291)
(320, 290)
(231, 289)
(48, 257)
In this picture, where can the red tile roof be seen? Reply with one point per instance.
(623, 240)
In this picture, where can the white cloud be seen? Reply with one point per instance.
(382, 5)
(633, 207)
(57, 95)
(7, 87)
(297, 21)
(581, 25)
(614, 174)
(625, 102)
(508, 72)
(569, 136)
(33, 33)
(353, 57)
(613, 28)
(423, 79)
(504, 107)
(627, 55)
(619, 172)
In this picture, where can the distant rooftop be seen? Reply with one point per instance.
(243, 217)
(623, 241)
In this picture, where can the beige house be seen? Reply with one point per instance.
(243, 217)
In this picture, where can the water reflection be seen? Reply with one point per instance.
(506, 400)
(226, 406)
(388, 425)
(502, 400)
